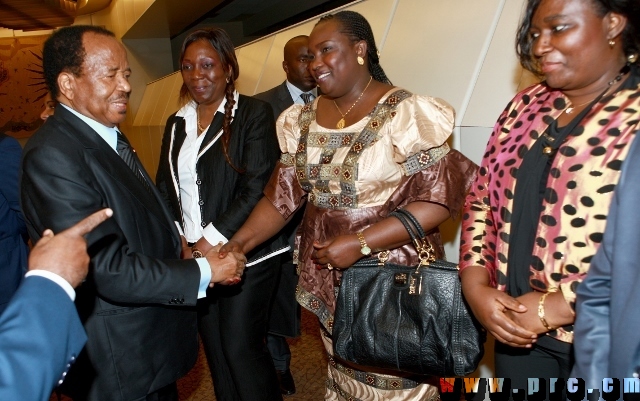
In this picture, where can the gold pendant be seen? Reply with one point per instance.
(547, 150)
(340, 124)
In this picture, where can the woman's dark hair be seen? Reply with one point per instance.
(63, 52)
(357, 28)
(630, 36)
(222, 44)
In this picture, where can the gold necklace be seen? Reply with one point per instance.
(198, 119)
(571, 108)
(340, 124)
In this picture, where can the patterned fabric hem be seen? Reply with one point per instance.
(315, 305)
(332, 385)
(424, 159)
(287, 159)
(372, 379)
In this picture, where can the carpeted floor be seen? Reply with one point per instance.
(308, 366)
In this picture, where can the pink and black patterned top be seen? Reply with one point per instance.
(578, 192)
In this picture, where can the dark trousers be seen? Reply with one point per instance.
(279, 350)
(233, 326)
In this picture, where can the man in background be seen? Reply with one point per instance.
(13, 230)
(300, 88)
(40, 332)
(138, 303)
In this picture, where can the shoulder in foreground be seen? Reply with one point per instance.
(8, 142)
(253, 103)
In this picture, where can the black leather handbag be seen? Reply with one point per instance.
(411, 319)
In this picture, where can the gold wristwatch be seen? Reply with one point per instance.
(196, 253)
(365, 250)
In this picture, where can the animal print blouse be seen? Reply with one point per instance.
(579, 188)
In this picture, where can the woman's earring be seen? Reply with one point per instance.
(360, 60)
(632, 58)
(228, 79)
(612, 43)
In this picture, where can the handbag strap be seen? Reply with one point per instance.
(424, 249)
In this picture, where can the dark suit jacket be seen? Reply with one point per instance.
(285, 313)
(607, 327)
(278, 97)
(40, 336)
(13, 230)
(139, 341)
(227, 196)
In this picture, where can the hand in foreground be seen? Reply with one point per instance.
(494, 310)
(230, 246)
(65, 253)
(341, 251)
(227, 270)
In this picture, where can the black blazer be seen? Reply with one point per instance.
(278, 97)
(138, 340)
(227, 197)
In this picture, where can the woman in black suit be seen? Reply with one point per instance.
(218, 152)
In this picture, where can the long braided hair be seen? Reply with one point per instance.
(222, 44)
(357, 28)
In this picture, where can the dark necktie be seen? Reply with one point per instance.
(307, 97)
(128, 155)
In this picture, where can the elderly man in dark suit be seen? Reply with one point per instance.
(300, 88)
(40, 332)
(137, 304)
(13, 230)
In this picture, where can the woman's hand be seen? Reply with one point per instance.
(231, 246)
(341, 251)
(529, 320)
(499, 313)
(494, 309)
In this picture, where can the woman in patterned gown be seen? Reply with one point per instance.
(534, 218)
(358, 152)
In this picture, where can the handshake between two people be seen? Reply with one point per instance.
(227, 266)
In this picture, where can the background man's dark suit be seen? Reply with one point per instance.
(285, 314)
(13, 231)
(138, 339)
(278, 97)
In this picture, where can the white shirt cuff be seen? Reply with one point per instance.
(213, 236)
(205, 276)
(179, 228)
(58, 280)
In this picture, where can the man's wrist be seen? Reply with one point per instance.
(196, 253)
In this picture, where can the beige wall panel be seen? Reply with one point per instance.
(152, 93)
(171, 97)
(378, 12)
(129, 14)
(501, 73)
(252, 61)
(272, 73)
(433, 46)
(160, 100)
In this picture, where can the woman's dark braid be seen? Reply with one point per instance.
(226, 123)
(357, 28)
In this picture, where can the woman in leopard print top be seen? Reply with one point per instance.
(537, 210)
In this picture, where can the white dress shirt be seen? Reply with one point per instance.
(296, 92)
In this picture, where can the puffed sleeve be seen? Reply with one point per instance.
(283, 189)
(478, 236)
(432, 171)
(420, 123)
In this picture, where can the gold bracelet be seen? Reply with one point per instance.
(541, 312)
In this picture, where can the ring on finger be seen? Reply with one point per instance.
(329, 266)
